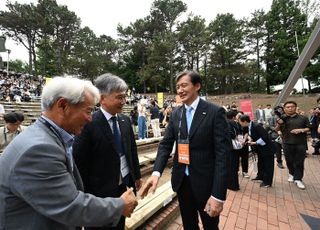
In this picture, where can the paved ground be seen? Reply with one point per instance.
(278, 207)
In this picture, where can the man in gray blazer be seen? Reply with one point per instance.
(40, 186)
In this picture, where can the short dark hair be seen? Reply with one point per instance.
(290, 102)
(194, 76)
(20, 117)
(231, 114)
(12, 117)
(244, 117)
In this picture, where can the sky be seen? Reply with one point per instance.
(103, 16)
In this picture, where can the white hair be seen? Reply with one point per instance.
(72, 89)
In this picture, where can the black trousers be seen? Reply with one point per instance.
(233, 181)
(295, 155)
(278, 152)
(244, 158)
(190, 206)
(268, 169)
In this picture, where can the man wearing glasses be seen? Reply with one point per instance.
(105, 152)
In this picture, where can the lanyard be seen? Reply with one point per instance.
(53, 130)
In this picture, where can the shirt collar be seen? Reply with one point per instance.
(106, 114)
(66, 137)
(194, 104)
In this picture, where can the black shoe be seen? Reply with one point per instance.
(265, 185)
(280, 165)
(234, 189)
(256, 179)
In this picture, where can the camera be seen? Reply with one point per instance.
(278, 111)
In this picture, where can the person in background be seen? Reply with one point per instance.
(142, 120)
(11, 128)
(267, 112)
(265, 149)
(105, 152)
(314, 123)
(155, 115)
(259, 115)
(134, 118)
(294, 128)
(234, 154)
(167, 114)
(276, 138)
(244, 152)
(2, 110)
(40, 185)
(199, 174)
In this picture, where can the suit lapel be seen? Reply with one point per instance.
(198, 116)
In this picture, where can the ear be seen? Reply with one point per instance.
(62, 103)
(198, 86)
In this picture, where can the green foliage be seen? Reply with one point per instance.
(19, 66)
(284, 20)
(233, 55)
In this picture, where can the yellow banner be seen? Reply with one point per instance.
(160, 99)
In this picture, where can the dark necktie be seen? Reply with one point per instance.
(117, 137)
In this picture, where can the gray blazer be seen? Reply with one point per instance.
(38, 189)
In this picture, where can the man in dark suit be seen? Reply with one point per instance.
(200, 162)
(265, 148)
(106, 151)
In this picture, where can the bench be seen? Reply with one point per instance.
(150, 205)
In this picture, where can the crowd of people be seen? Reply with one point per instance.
(81, 167)
(17, 87)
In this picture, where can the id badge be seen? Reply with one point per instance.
(183, 152)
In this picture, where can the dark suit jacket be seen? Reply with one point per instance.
(209, 148)
(95, 155)
(257, 132)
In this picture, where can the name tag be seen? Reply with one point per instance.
(183, 152)
(124, 166)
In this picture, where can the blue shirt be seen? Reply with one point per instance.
(67, 138)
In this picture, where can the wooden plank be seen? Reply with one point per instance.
(150, 205)
(151, 156)
(143, 160)
(148, 140)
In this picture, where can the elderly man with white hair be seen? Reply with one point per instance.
(40, 186)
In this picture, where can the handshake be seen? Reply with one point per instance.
(130, 200)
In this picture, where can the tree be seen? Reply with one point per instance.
(192, 39)
(20, 24)
(256, 37)
(19, 66)
(165, 13)
(228, 53)
(283, 21)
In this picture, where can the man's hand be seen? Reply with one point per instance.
(150, 185)
(138, 184)
(213, 207)
(130, 202)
